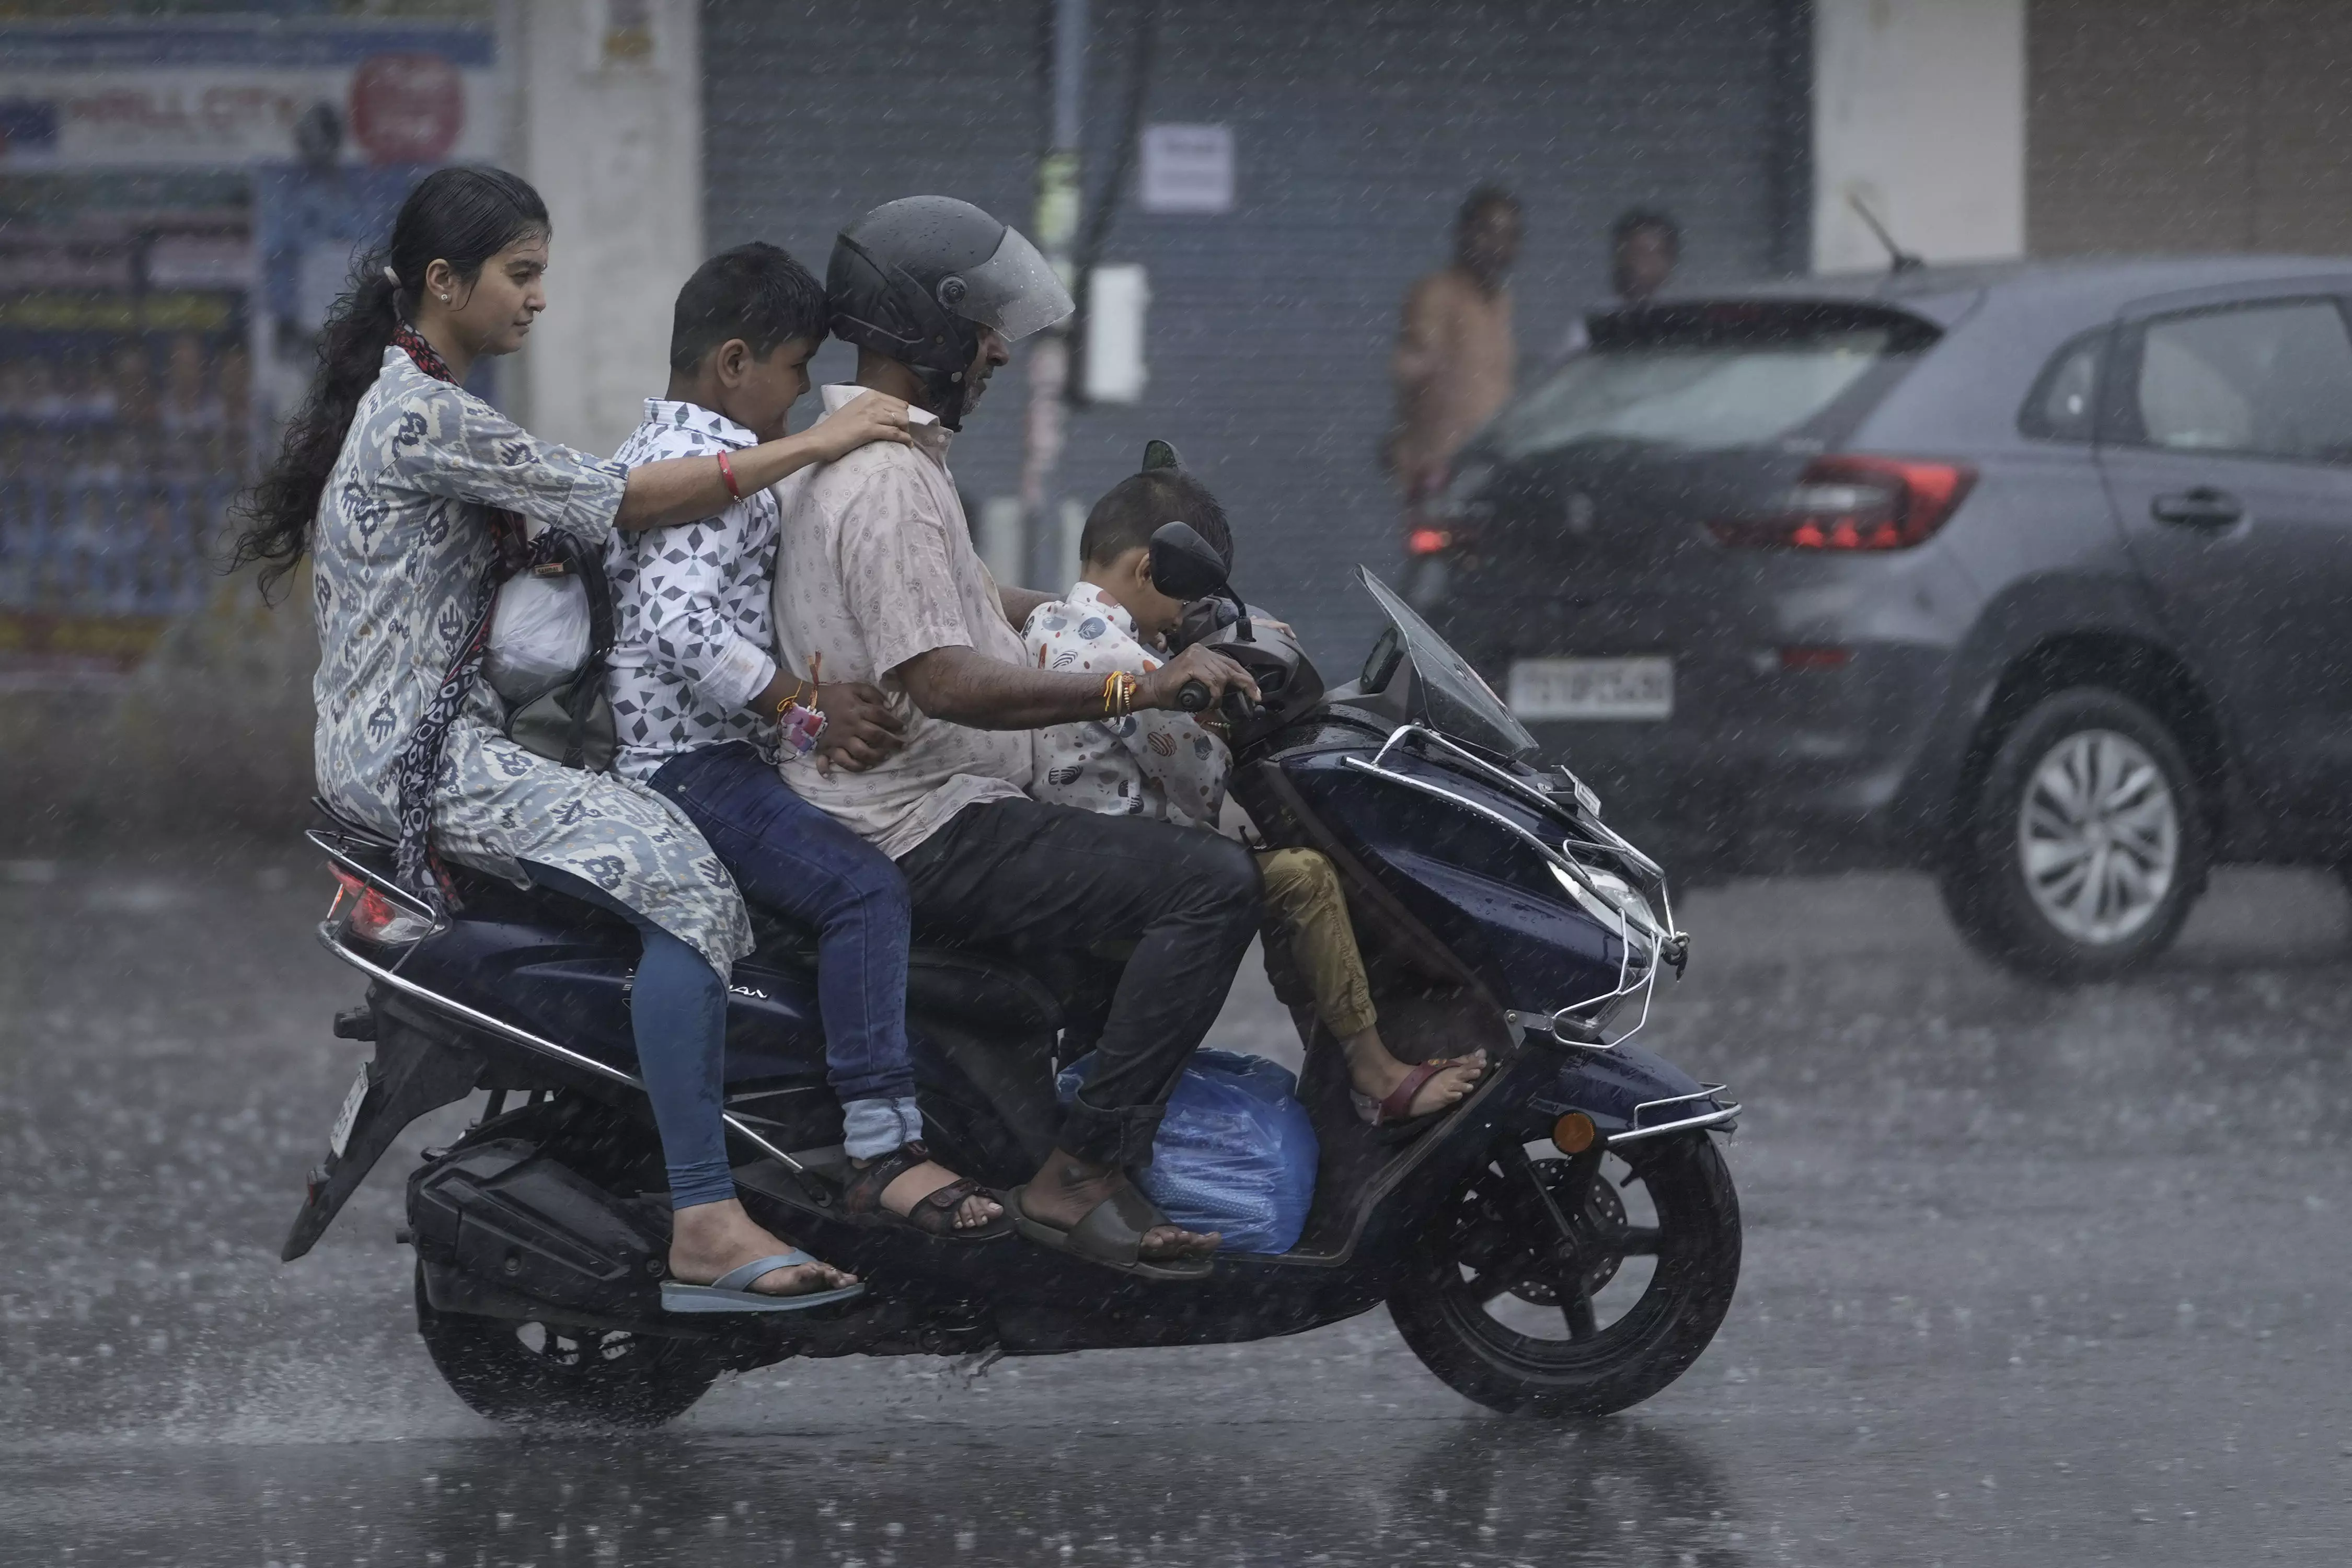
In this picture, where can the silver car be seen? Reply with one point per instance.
(2038, 576)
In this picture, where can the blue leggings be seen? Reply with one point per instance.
(679, 1011)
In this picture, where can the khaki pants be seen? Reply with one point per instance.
(1310, 945)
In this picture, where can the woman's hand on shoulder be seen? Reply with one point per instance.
(872, 416)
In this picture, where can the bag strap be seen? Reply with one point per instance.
(579, 699)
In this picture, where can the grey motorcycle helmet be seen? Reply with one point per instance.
(917, 278)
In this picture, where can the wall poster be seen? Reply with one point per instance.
(182, 193)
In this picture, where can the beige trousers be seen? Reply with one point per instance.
(1310, 946)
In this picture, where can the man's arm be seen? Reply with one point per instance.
(964, 686)
(1020, 603)
(901, 579)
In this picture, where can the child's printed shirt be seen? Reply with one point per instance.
(691, 625)
(1153, 764)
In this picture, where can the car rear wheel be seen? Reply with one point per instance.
(2084, 844)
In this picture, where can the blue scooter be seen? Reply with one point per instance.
(1565, 1242)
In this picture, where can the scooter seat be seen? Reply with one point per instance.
(956, 983)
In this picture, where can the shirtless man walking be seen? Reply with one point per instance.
(1454, 361)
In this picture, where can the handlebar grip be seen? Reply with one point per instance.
(1192, 697)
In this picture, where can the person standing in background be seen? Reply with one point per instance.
(1455, 357)
(1644, 244)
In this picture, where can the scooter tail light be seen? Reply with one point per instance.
(1856, 503)
(374, 918)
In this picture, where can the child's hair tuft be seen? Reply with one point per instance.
(756, 292)
(1134, 508)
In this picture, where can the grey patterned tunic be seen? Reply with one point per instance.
(401, 547)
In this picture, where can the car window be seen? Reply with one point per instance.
(2063, 405)
(2275, 380)
(1710, 377)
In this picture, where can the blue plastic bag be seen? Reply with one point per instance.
(1235, 1153)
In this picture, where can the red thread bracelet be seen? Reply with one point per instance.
(727, 472)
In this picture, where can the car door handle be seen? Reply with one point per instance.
(2203, 507)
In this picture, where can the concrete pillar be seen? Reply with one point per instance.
(610, 130)
(1918, 110)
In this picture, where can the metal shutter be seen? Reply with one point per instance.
(2188, 125)
(1358, 128)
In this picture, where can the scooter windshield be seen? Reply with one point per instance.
(1451, 697)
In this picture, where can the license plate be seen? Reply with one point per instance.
(348, 1118)
(1642, 687)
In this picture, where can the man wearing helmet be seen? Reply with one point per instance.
(877, 580)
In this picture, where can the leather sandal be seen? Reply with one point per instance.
(1394, 1115)
(1112, 1234)
(933, 1214)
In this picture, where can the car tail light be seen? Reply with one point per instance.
(1856, 503)
(374, 918)
(1429, 541)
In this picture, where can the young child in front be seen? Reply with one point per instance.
(1172, 767)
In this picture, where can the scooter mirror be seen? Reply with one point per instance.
(1183, 565)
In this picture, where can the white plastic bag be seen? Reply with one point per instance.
(540, 635)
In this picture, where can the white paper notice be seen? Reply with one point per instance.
(1188, 169)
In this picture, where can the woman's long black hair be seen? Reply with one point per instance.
(461, 215)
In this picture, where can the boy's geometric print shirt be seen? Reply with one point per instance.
(692, 632)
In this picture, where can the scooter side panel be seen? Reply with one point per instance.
(572, 985)
(1505, 919)
(1608, 1086)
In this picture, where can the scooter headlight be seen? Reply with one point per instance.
(1613, 901)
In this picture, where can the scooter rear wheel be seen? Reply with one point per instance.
(1519, 1312)
(524, 1372)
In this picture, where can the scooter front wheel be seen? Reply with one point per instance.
(1574, 1285)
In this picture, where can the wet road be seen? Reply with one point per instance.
(2032, 1277)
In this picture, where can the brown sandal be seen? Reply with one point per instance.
(933, 1214)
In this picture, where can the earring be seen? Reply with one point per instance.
(445, 299)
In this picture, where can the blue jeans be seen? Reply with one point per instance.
(790, 857)
(678, 1008)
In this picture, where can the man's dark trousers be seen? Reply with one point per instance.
(1025, 875)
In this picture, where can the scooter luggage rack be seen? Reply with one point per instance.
(1716, 1118)
(524, 1037)
(1628, 980)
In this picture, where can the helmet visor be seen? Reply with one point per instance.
(1014, 291)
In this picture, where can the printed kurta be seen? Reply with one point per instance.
(401, 546)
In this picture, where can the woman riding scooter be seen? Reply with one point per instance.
(415, 499)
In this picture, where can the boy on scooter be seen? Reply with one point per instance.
(1172, 767)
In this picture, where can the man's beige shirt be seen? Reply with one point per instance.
(1454, 366)
(876, 566)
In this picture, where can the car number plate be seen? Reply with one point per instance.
(348, 1118)
(1642, 687)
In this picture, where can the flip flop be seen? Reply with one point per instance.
(732, 1291)
(1392, 1116)
(933, 1214)
(1112, 1234)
